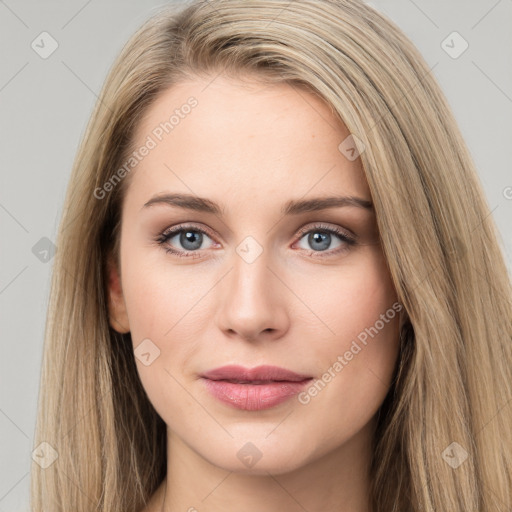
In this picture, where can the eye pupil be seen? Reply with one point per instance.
(323, 238)
(191, 237)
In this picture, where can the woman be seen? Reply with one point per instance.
(278, 286)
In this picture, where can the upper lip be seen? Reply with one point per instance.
(259, 373)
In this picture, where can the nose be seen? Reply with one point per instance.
(252, 300)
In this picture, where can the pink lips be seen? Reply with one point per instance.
(253, 389)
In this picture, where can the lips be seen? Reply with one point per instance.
(253, 388)
(260, 373)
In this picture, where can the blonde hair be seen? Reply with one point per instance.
(453, 380)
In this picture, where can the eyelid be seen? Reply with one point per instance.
(345, 235)
(325, 226)
(183, 227)
(303, 230)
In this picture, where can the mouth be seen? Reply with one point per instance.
(262, 373)
(254, 389)
(255, 382)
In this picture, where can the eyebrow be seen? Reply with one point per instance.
(292, 207)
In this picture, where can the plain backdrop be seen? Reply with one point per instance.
(45, 103)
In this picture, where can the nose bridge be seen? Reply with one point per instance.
(250, 279)
(250, 302)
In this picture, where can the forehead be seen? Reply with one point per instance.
(224, 138)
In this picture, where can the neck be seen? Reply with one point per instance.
(334, 482)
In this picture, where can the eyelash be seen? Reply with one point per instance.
(166, 235)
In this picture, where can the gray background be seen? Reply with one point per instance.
(45, 104)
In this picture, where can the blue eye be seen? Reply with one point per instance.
(190, 238)
(322, 240)
(319, 238)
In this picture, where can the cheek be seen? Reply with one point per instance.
(161, 296)
(165, 307)
(169, 305)
(352, 299)
(369, 333)
(357, 358)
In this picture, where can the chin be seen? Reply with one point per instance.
(259, 456)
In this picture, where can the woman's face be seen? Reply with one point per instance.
(265, 271)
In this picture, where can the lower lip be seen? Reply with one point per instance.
(254, 397)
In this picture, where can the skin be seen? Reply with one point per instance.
(251, 148)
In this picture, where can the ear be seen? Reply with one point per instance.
(117, 314)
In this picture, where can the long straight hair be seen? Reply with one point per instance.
(444, 437)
